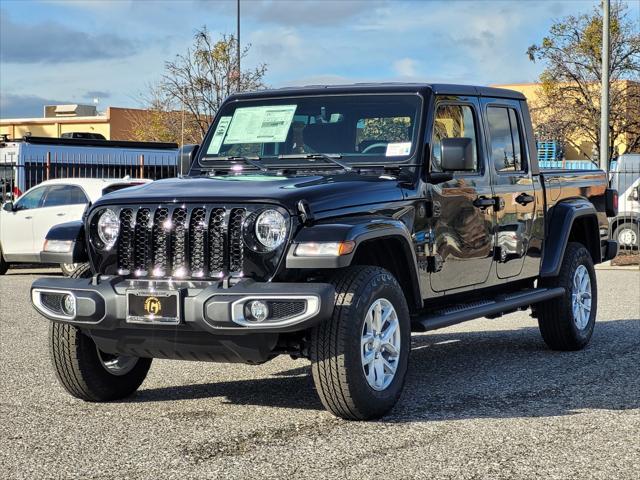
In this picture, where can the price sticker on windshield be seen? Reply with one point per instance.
(260, 124)
(218, 135)
(398, 149)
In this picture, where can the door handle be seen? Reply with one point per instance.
(524, 199)
(61, 214)
(28, 218)
(484, 202)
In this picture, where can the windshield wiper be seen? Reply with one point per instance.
(253, 161)
(313, 156)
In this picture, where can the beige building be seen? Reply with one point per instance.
(114, 124)
(532, 91)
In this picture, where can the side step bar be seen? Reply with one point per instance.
(490, 308)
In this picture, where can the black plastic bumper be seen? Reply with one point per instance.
(208, 328)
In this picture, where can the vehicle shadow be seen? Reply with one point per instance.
(494, 374)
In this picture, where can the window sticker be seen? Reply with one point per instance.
(260, 124)
(398, 149)
(218, 135)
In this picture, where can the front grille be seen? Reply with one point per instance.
(181, 241)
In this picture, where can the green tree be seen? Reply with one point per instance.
(568, 106)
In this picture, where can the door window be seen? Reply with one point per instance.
(452, 121)
(504, 130)
(61, 195)
(31, 199)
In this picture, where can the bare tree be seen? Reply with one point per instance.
(568, 106)
(193, 87)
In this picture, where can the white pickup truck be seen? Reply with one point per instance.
(25, 223)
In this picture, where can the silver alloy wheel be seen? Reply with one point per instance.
(70, 267)
(117, 365)
(627, 237)
(581, 297)
(380, 344)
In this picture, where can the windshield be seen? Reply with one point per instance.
(368, 129)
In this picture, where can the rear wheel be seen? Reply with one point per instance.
(359, 356)
(567, 322)
(627, 235)
(84, 370)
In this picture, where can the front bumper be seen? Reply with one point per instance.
(211, 325)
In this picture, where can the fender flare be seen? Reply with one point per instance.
(360, 231)
(71, 232)
(562, 218)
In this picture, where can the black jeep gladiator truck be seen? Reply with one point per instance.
(329, 222)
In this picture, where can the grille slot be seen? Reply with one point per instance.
(183, 242)
(142, 247)
(236, 250)
(125, 242)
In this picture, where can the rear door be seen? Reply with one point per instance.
(512, 184)
(462, 229)
(62, 203)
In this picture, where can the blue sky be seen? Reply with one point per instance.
(74, 51)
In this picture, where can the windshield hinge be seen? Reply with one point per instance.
(305, 213)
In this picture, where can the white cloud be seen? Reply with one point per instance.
(406, 67)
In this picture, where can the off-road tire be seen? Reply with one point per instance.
(555, 316)
(78, 366)
(335, 345)
(68, 272)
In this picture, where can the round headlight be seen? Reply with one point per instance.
(271, 229)
(108, 228)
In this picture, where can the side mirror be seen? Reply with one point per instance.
(8, 207)
(186, 156)
(457, 155)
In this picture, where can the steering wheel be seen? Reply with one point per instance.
(374, 145)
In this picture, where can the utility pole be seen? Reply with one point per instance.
(238, 40)
(604, 101)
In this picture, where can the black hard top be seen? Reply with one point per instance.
(436, 88)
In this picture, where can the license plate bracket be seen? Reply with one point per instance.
(158, 307)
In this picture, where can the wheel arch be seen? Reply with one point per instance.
(381, 242)
(571, 221)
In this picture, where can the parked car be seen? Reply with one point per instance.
(625, 178)
(319, 223)
(25, 223)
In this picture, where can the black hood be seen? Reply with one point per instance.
(323, 193)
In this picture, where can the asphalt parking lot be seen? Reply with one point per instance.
(484, 399)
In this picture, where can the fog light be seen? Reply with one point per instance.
(69, 305)
(259, 310)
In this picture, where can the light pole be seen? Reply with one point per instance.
(604, 101)
(238, 42)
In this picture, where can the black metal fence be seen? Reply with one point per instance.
(625, 228)
(16, 178)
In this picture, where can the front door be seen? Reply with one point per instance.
(512, 184)
(462, 222)
(16, 228)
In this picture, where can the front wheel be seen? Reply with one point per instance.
(68, 269)
(90, 374)
(84, 370)
(567, 322)
(359, 357)
(4, 266)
